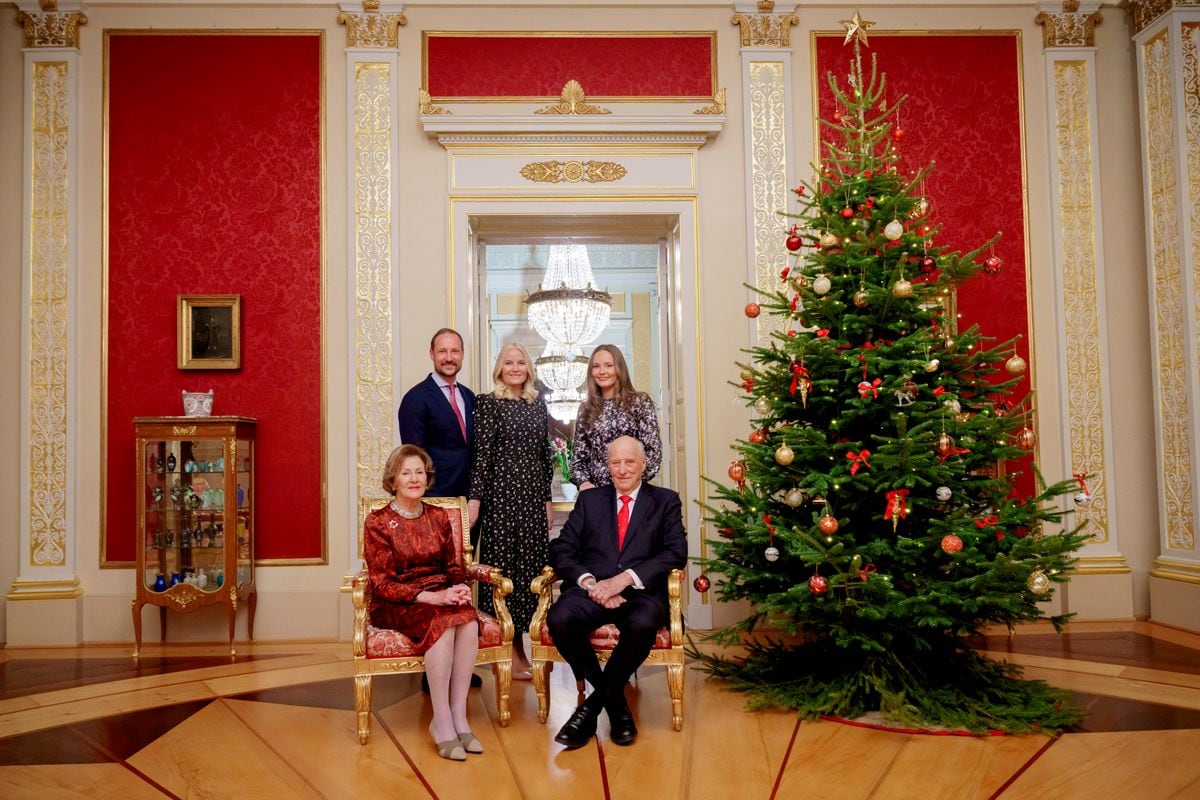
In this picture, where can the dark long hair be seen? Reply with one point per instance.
(623, 393)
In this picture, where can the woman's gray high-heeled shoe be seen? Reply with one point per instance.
(451, 748)
(470, 743)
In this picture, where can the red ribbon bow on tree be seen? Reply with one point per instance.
(770, 529)
(990, 519)
(795, 302)
(1081, 477)
(939, 391)
(869, 569)
(953, 451)
(857, 460)
(800, 381)
(869, 388)
(897, 506)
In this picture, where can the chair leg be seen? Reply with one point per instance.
(503, 672)
(675, 684)
(362, 706)
(540, 671)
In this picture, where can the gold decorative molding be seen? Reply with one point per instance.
(373, 224)
(427, 106)
(1071, 28)
(371, 28)
(1190, 56)
(47, 351)
(718, 104)
(572, 101)
(50, 28)
(766, 103)
(1169, 296)
(765, 29)
(1147, 11)
(1082, 305)
(573, 171)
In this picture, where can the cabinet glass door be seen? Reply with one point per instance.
(185, 514)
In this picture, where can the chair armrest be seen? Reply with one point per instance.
(361, 595)
(674, 592)
(542, 586)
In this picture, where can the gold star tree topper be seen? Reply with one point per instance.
(856, 28)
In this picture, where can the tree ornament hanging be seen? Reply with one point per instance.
(828, 240)
(943, 493)
(758, 436)
(794, 497)
(1084, 495)
(928, 265)
(951, 543)
(893, 230)
(752, 310)
(771, 553)
(922, 207)
(762, 406)
(784, 455)
(822, 284)
(702, 583)
(932, 365)
(847, 212)
(992, 264)
(828, 525)
(737, 472)
(944, 443)
(797, 281)
(902, 288)
(817, 584)
(861, 298)
(746, 375)
(1015, 365)
(1038, 582)
(793, 241)
(1026, 439)
(896, 507)
(952, 405)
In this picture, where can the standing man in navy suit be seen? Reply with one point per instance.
(614, 554)
(436, 415)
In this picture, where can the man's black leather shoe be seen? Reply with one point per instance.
(581, 725)
(620, 719)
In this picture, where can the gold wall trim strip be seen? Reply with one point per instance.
(767, 106)
(573, 171)
(1190, 46)
(1174, 576)
(1168, 297)
(49, 250)
(373, 313)
(70, 595)
(1081, 286)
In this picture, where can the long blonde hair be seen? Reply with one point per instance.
(529, 392)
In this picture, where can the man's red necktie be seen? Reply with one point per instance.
(462, 423)
(623, 520)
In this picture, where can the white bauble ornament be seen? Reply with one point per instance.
(932, 365)
(794, 498)
(771, 554)
(763, 406)
(893, 230)
(1082, 498)
(943, 493)
(821, 285)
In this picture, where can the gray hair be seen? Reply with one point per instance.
(641, 448)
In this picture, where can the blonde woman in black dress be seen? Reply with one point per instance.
(613, 408)
(511, 473)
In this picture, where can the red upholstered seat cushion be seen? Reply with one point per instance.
(387, 643)
(606, 637)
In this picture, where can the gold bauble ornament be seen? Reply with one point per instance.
(828, 240)
(922, 208)
(1015, 365)
(797, 281)
(763, 406)
(1026, 439)
(944, 443)
(861, 298)
(902, 288)
(794, 498)
(784, 455)
(747, 375)
(1039, 582)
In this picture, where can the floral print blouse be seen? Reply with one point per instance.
(589, 463)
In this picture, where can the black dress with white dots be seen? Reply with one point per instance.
(511, 472)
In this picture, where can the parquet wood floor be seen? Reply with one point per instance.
(185, 721)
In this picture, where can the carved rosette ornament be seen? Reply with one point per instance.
(1146, 11)
(572, 101)
(371, 28)
(573, 171)
(51, 28)
(1072, 27)
(718, 104)
(766, 28)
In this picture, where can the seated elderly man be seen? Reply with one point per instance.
(613, 555)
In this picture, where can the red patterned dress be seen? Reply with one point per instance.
(404, 558)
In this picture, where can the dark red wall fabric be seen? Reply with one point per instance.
(214, 187)
(963, 112)
(606, 65)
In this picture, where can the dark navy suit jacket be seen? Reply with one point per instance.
(427, 420)
(655, 541)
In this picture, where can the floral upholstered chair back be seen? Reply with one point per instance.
(460, 523)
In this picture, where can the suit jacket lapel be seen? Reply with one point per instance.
(449, 419)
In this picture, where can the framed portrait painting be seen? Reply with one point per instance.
(210, 331)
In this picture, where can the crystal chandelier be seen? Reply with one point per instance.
(562, 370)
(568, 309)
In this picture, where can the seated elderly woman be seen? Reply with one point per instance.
(418, 588)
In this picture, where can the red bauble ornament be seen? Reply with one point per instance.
(951, 543)
(1026, 439)
(737, 471)
(817, 584)
(752, 310)
(837, 115)
(793, 242)
(944, 443)
(928, 264)
(923, 230)
(828, 525)
(898, 133)
(726, 533)
(701, 584)
(992, 264)
(759, 436)
(847, 212)
(1002, 407)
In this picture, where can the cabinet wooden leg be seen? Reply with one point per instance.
(232, 626)
(137, 628)
(162, 623)
(253, 599)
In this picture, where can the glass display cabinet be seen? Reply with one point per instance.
(195, 517)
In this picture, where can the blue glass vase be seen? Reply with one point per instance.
(160, 583)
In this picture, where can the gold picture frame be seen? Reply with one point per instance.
(210, 331)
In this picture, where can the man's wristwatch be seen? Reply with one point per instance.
(587, 587)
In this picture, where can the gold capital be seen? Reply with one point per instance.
(766, 28)
(1071, 28)
(1146, 11)
(50, 28)
(371, 28)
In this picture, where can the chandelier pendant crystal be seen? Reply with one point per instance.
(568, 309)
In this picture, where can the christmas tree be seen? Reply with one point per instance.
(871, 521)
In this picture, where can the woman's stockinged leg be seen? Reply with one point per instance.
(466, 645)
(439, 662)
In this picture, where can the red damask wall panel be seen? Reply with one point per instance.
(963, 112)
(214, 186)
(607, 65)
